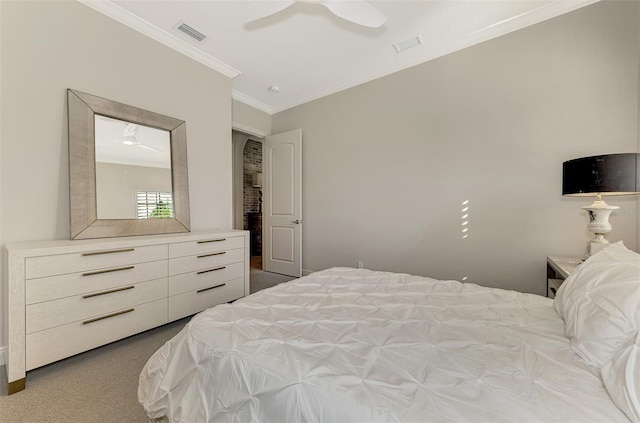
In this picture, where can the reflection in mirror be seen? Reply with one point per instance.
(133, 170)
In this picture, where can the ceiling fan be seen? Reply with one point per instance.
(357, 11)
(129, 138)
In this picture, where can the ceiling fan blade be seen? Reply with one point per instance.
(148, 147)
(263, 8)
(356, 11)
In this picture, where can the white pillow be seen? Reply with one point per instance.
(621, 377)
(600, 304)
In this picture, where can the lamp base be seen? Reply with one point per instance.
(599, 213)
(596, 246)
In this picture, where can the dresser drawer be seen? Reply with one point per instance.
(54, 287)
(194, 302)
(209, 245)
(193, 281)
(48, 314)
(54, 344)
(204, 261)
(60, 264)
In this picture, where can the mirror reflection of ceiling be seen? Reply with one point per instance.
(128, 143)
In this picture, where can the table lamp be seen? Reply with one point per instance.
(599, 176)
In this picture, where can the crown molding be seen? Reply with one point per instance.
(250, 101)
(532, 17)
(119, 14)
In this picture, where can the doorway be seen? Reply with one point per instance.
(248, 191)
(275, 224)
(246, 198)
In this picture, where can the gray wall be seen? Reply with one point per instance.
(250, 120)
(48, 47)
(387, 165)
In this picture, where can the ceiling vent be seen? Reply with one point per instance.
(191, 32)
(407, 44)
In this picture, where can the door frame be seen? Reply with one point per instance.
(244, 133)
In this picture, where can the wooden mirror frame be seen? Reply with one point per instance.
(85, 224)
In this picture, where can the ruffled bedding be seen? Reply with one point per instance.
(348, 345)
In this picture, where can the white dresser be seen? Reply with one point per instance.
(65, 297)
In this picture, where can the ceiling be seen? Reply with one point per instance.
(126, 143)
(307, 52)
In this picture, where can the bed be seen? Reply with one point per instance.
(353, 345)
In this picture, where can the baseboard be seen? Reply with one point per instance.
(306, 272)
(2, 361)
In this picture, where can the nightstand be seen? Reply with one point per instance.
(558, 269)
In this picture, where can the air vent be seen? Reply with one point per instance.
(407, 44)
(193, 33)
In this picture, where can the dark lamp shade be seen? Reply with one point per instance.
(610, 174)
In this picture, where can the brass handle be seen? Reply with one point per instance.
(98, 272)
(96, 253)
(117, 313)
(111, 291)
(213, 287)
(212, 254)
(212, 240)
(211, 270)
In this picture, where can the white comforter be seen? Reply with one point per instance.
(347, 345)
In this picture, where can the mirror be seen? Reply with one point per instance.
(133, 170)
(127, 170)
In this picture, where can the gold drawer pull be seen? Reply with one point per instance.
(212, 254)
(98, 272)
(111, 291)
(211, 270)
(117, 313)
(97, 253)
(212, 287)
(212, 240)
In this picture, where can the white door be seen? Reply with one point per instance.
(282, 212)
